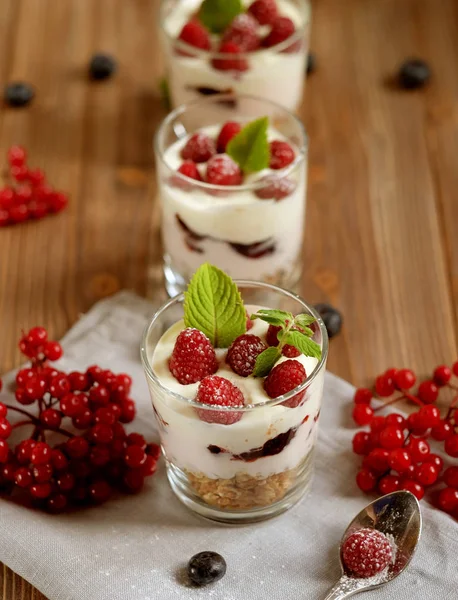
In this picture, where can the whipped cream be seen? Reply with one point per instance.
(275, 76)
(187, 439)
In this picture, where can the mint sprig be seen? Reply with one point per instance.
(295, 331)
(216, 15)
(213, 304)
(250, 147)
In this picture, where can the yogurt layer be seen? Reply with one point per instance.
(192, 444)
(275, 76)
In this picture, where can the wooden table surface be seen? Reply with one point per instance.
(382, 215)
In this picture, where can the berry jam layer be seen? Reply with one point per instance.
(250, 234)
(248, 63)
(260, 443)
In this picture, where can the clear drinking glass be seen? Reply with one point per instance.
(252, 469)
(251, 231)
(276, 73)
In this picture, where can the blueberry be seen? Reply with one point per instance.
(18, 93)
(332, 318)
(206, 567)
(102, 66)
(414, 73)
(311, 63)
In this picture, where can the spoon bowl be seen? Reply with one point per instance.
(396, 515)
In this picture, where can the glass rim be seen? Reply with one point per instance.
(249, 407)
(199, 53)
(221, 98)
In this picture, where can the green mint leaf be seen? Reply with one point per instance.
(216, 15)
(302, 342)
(213, 305)
(250, 148)
(304, 320)
(265, 361)
(273, 317)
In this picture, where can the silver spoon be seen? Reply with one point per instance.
(396, 515)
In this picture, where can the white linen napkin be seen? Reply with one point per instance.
(135, 547)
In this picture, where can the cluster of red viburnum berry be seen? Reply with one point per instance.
(28, 196)
(85, 465)
(397, 454)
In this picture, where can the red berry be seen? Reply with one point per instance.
(414, 424)
(84, 419)
(442, 375)
(105, 414)
(189, 169)
(276, 188)
(451, 446)
(40, 490)
(38, 209)
(57, 503)
(23, 477)
(52, 350)
(222, 170)
(395, 419)
(99, 395)
(100, 492)
(242, 354)
(366, 552)
(361, 443)
(377, 460)
(366, 480)
(153, 450)
(17, 156)
(218, 391)
(448, 499)
(127, 411)
(35, 388)
(51, 418)
(272, 340)
(362, 396)
(58, 460)
(281, 154)
(117, 448)
(99, 456)
(193, 357)
(134, 480)
(414, 487)
(199, 148)
(79, 382)
(4, 451)
(282, 29)
(428, 392)
(455, 368)
(73, 405)
(451, 477)
(3, 408)
(136, 439)
(94, 373)
(101, 434)
(384, 386)
(36, 177)
(399, 460)
(134, 456)
(228, 131)
(57, 202)
(41, 454)
(43, 473)
(229, 59)
(149, 467)
(5, 428)
(435, 460)
(23, 375)
(389, 484)
(284, 378)
(426, 474)
(243, 31)
(362, 414)
(264, 11)
(24, 451)
(118, 430)
(378, 423)
(37, 336)
(7, 198)
(419, 449)
(391, 437)
(428, 416)
(404, 379)
(77, 447)
(59, 386)
(195, 34)
(20, 172)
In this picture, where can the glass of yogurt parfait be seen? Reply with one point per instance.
(237, 415)
(245, 47)
(232, 186)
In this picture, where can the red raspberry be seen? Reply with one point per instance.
(222, 170)
(199, 148)
(243, 31)
(282, 29)
(283, 378)
(366, 552)
(230, 63)
(228, 131)
(275, 188)
(281, 154)
(193, 357)
(218, 391)
(195, 34)
(243, 353)
(271, 337)
(264, 11)
(189, 169)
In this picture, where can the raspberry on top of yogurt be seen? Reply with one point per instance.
(214, 351)
(232, 155)
(231, 28)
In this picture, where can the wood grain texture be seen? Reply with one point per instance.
(381, 240)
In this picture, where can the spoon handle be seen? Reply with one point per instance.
(344, 588)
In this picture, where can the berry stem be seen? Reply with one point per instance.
(21, 423)
(37, 423)
(453, 404)
(23, 412)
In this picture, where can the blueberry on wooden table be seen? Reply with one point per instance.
(18, 93)
(102, 66)
(311, 63)
(332, 318)
(414, 73)
(206, 567)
